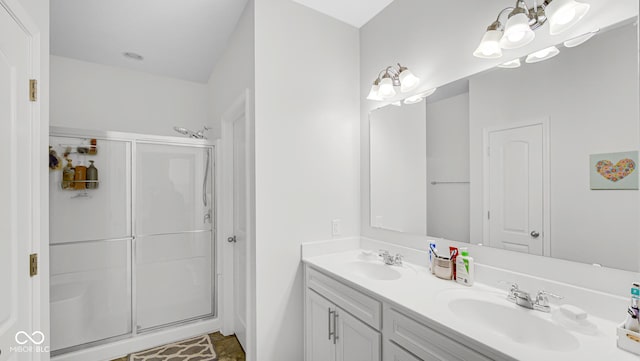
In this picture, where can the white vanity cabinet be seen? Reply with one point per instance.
(344, 324)
(341, 324)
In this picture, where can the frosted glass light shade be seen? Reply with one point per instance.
(515, 63)
(489, 47)
(413, 99)
(408, 81)
(373, 93)
(386, 89)
(418, 97)
(542, 55)
(563, 14)
(581, 39)
(517, 32)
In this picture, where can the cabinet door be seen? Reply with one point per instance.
(319, 328)
(356, 340)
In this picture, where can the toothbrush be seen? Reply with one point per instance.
(434, 250)
(632, 320)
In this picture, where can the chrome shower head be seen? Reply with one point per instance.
(191, 134)
(182, 130)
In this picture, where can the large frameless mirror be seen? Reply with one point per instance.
(538, 155)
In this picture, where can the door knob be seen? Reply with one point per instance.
(232, 239)
(535, 234)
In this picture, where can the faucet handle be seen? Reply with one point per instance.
(544, 296)
(513, 289)
(397, 259)
(542, 300)
(383, 252)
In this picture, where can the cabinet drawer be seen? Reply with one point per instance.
(393, 352)
(425, 342)
(356, 303)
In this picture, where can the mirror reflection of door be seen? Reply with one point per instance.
(515, 168)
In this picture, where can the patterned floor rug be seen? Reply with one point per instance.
(194, 349)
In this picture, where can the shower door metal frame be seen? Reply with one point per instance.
(133, 139)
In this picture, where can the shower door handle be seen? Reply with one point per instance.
(232, 239)
(204, 181)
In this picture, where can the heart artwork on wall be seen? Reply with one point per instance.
(616, 172)
(605, 174)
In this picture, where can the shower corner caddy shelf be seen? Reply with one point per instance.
(80, 193)
(87, 182)
(86, 149)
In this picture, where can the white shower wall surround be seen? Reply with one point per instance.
(137, 253)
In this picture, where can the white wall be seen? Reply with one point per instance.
(307, 157)
(399, 168)
(100, 97)
(448, 161)
(436, 41)
(592, 105)
(235, 70)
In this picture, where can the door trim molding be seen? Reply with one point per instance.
(546, 179)
(239, 108)
(38, 181)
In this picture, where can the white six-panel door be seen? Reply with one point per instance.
(16, 144)
(515, 183)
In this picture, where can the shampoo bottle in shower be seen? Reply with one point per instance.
(68, 175)
(80, 177)
(92, 176)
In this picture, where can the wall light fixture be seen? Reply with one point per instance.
(390, 79)
(522, 20)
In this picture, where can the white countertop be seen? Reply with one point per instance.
(420, 293)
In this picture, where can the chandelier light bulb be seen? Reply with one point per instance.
(386, 88)
(413, 99)
(515, 63)
(373, 94)
(542, 55)
(408, 81)
(563, 14)
(581, 39)
(489, 47)
(517, 32)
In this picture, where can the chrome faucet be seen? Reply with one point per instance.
(390, 260)
(523, 298)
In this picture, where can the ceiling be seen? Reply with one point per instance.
(352, 12)
(180, 38)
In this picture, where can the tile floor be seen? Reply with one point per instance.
(227, 348)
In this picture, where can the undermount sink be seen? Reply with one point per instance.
(373, 270)
(518, 324)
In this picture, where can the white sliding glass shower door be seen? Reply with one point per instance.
(173, 228)
(90, 244)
